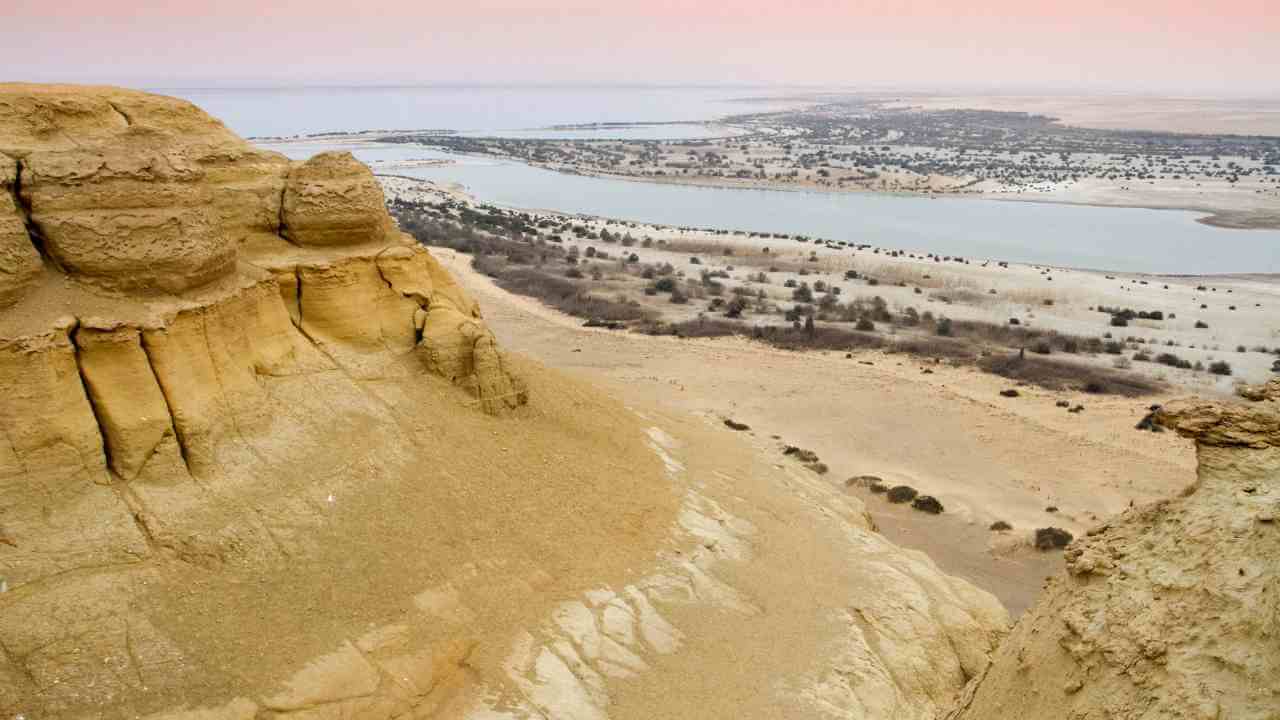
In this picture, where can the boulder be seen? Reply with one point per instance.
(333, 199)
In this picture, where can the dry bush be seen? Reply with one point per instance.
(1018, 336)
(930, 346)
(710, 248)
(563, 294)
(962, 296)
(1032, 296)
(1061, 375)
(785, 337)
(893, 273)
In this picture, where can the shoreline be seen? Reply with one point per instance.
(1219, 218)
(463, 193)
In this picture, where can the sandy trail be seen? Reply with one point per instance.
(947, 433)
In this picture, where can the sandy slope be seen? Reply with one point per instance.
(948, 433)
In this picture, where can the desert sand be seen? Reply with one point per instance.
(949, 433)
(1259, 116)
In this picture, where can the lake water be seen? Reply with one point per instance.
(1121, 239)
(284, 112)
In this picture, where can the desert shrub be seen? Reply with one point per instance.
(865, 325)
(799, 453)
(1201, 325)
(927, 503)
(935, 347)
(1220, 367)
(1000, 526)
(902, 494)
(735, 307)
(1061, 375)
(1052, 538)
(1172, 360)
(566, 295)
(943, 327)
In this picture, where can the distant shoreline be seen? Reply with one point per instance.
(1212, 217)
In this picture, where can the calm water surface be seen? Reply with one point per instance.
(1121, 239)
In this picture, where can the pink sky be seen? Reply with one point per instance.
(1229, 47)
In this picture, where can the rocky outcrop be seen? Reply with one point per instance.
(1170, 610)
(215, 362)
(333, 199)
(134, 191)
(150, 198)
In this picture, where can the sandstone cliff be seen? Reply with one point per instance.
(1170, 610)
(193, 337)
(261, 456)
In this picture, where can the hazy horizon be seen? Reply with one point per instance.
(1144, 47)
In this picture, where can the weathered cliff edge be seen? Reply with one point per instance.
(1171, 610)
(260, 456)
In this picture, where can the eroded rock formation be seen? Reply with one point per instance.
(1171, 610)
(176, 306)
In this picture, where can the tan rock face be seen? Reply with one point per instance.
(107, 385)
(135, 191)
(1169, 611)
(333, 199)
(19, 261)
(186, 389)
